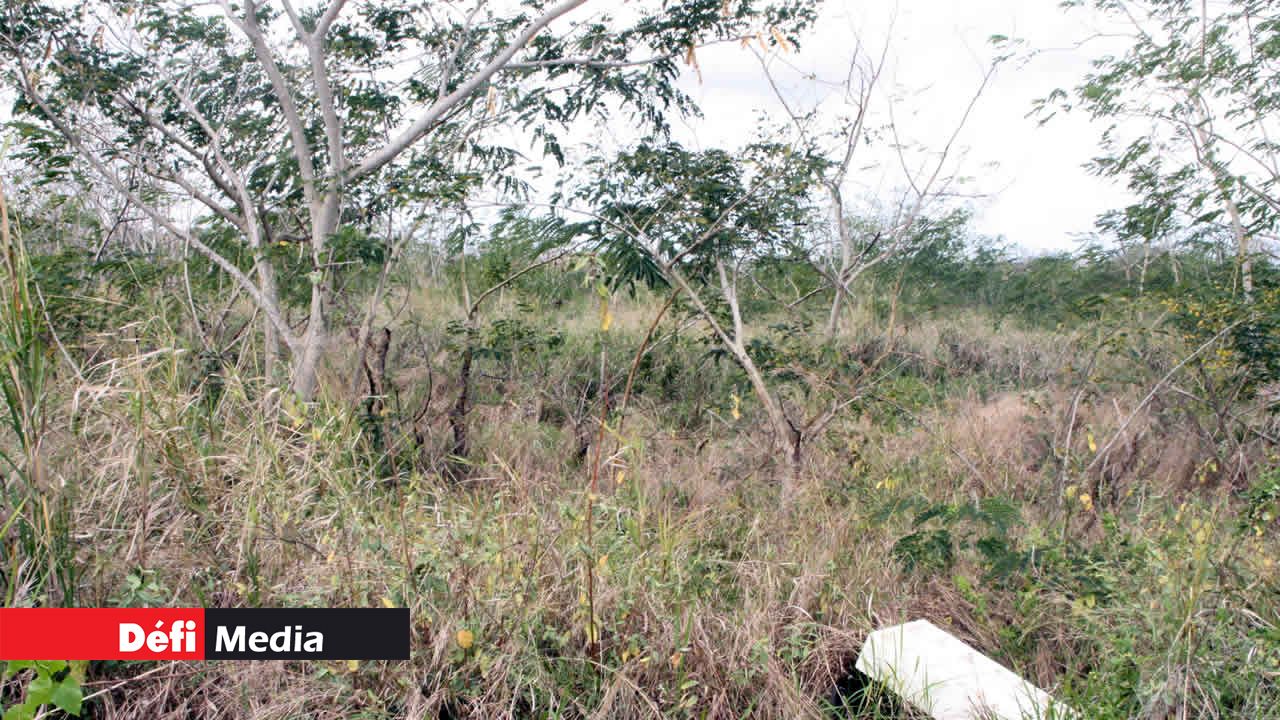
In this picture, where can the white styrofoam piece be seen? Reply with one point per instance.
(941, 675)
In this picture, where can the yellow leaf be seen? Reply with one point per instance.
(465, 639)
(606, 315)
(782, 41)
(353, 665)
(691, 58)
(737, 407)
(1093, 446)
(386, 602)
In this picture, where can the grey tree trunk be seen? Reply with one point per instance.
(324, 222)
(270, 338)
(846, 259)
(1243, 250)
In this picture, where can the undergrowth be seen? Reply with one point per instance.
(1009, 485)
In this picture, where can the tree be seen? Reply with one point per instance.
(1193, 125)
(286, 124)
(699, 222)
(931, 180)
(537, 242)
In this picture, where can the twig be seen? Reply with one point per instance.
(122, 683)
(1155, 389)
(640, 353)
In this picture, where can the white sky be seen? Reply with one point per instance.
(1032, 186)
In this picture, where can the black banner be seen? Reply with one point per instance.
(306, 634)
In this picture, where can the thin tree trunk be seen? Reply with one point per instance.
(307, 364)
(378, 344)
(1242, 249)
(784, 432)
(833, 318)
(1146, 259)
(324, 214)
(1207, 157)
(458, 415)
(635, 362)
(783, 429)
(270, 338)
(366, 326)
(846, 261)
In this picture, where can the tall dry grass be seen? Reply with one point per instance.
(682, 587)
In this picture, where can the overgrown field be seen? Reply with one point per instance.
(1091, 502)
(649, 394)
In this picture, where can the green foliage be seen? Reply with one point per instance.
(91, 296)
(925, 550)
(142, 588)
(505, 340)
(1262, 502)
(25, 352)
(1157, 593)
(945, 265)
(58, 57)
(518, 242)
(983, 526)
(37, 512)
(53, 682)
(941, 264)
(1204, 78)
(1249, 350)
(663, 206)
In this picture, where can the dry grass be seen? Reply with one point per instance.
(712, 598)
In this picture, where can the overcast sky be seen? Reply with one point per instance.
(1033, 188)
